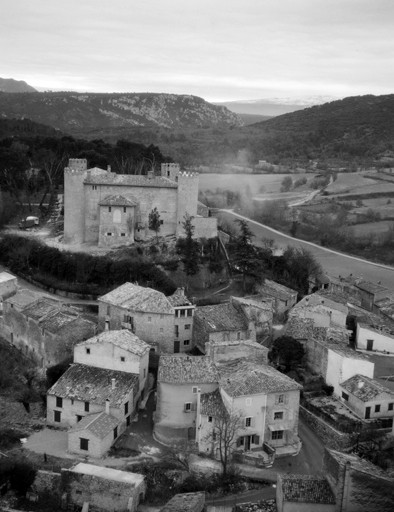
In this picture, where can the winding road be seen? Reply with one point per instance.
(334, 263)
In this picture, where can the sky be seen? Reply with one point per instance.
(220, 50)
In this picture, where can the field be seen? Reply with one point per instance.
(360, 183)
(377, 228)
(239, 182)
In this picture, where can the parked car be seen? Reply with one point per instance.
(29, 222)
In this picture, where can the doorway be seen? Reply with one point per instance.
(367, 413)
(369, 344)
(177, 346)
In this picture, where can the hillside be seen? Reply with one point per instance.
(11, 85)
(360, 126)
(25, 128)
(77, 113)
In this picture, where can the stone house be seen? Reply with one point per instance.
(165, 323)
(260, 311)
(358, 485)
(178, 381)
(304, 493)
(103, 488)
(367, 398)
(322, 310)
(284, 297)
(222, 351)
(375, 338)
(221, 322)
(186, 502)
(44, 329)
(8, 287)
(111, 209)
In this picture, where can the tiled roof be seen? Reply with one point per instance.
(364, 388)
(186, 369)
(130, 180)
(349, 352)
(337, 297)
(333, 335)
(370, 287)
(257, 301)
(118, 201)
(316, 300)
(91, 384)
(276, 290)
(187, 502)
(41, 308)
(384, 332)
(306, 489)
(23, 298)
(178, 298)
(359, 464)
(123, 339)
(299, 328)
(251, 379)
(138, 298)
(362, 315)
(221, 317)
(99, 424)
(212, 403)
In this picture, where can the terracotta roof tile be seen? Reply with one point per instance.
(23, 298)
(99, 424)
(186, 369)
(91, 384)
(123, 339)
(364, 388)
(138, 298)
(306, 489)
(276, 290)
(178, 298)
(118, 201)
(221, 317)
(212, 403)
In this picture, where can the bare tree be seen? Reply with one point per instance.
(180, 453)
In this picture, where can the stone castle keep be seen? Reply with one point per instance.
(113, 209)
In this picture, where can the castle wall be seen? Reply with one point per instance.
(164, 199)
(116, 225)
(74, 207)
(205, 227)
(187, 199)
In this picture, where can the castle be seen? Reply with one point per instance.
(113, 209)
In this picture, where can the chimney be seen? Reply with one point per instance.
(150, 174)
(109, 168)
(89, 175)
(360, 384)
(113, 383)
(107, 406)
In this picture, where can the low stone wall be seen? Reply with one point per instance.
(331, 437)
(47, 482)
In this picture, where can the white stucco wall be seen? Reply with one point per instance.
(341, 368)
(381, 341)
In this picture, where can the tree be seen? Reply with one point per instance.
(287, 350)
(154, 222)
(188, 247)
(286, 185)
(180, 453)
(244, 255)
(224, 434)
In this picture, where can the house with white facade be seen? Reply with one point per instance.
(376, 338)
(165, 323)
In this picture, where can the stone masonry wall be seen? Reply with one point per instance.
(47, 482)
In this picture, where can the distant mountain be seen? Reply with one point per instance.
(74, 112)
(252, 118)
(359, 126)
(275, 106)
(11, 85)
(26, 128)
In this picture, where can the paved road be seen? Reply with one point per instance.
(334, 263)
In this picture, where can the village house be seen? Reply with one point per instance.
(186, 502)
(221, 351)
(322, 310)
(165, 323)
(43, 328)
(284, 297)
(8, 287)
(240, 319)
(109, 209)
(367, 398)
(178, 381)
(100, 392)
(385, 309)
(304, 493)
(92, 487)
(375, 338)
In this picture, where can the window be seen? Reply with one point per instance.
(123, 234)
(79, 418)
(210, 419)
(88, 350)
(161, 317)
(109, 234)
(86, 406)
(161, 222)
(72, 401)
(194, 389)
(124, 209)
(108, 310)
(281, 399)
(59, 401)
(186, 343)
(115, 432)
(189, 312)
(345, 396)
(123, 359)
(176, 331)
(255, 439)
(377, 408)
(126, 408)
(238, 335)
(187, 327)
(182, 312)
(188, 407)
(391, 406)
(248, 422)
(109, 209)
(278, 415)
(94, 187)
(83, 444)
(248, 401)
(57, 416)
(149, 318)
(277, 435)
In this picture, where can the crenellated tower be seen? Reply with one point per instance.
(74, 201)
(187, 197)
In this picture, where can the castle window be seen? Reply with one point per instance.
(94, 187)
(83, 444)
(161, 222)
(186, 343)
(123, 234)
(109, 234)
(88, 350)
(124, 209)
(109, 209)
